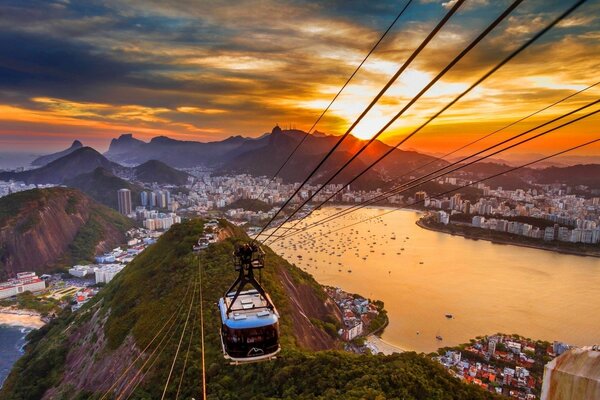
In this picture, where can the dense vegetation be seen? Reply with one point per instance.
(10, 206)
(157, 171)
(29, 301)
(160, 283)
(83, 247)
(62, 220)
(102, 185)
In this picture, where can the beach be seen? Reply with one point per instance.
(13, 317)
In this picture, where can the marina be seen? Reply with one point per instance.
(442, 290)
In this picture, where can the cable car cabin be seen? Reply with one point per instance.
(249, 320)
(251, 330)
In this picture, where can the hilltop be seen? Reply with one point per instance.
(178, 153)
(102, 185)
(159, 172)
(44, 229)
(80, 161)
(83, 355)
(43, 160)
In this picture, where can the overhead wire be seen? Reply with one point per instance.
(405, 65)
(445, 169)
(187, 353)
(135, 382)
(464, 93)
(307, 133)
(443, 157)
(132, 363)
(179, 344)
(202, 334)
(467, 185)
(415, 98)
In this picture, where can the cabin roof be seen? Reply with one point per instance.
(249, 311)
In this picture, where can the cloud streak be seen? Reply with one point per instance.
(207, 70)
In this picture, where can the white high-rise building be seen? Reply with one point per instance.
(124, 201)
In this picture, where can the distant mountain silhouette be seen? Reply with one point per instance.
(267, 159)
(159, 172)
(78, 162)
(43, 160)
(582, 174)
(177, 153)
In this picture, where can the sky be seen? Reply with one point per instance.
(206, 70)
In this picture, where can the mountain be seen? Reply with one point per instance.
(582, 174)
(80, 161)
(43, 229)
(107, 347)
(159, 172)
(102, 185)
(266, 160)
(43, 160)
(177, 153)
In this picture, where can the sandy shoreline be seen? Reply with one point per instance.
(381, 346)
(18, 318)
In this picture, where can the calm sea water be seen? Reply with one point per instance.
(423, 275)
(12, 340)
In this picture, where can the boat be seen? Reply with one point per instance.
(449, 316)
(438, 337)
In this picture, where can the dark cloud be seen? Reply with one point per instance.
(122, 63)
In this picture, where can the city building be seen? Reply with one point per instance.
(24, 282)
(144, 199)
(106, 273)
(352, 332)
(124, 201)
(81, 271)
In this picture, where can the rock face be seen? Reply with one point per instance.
(43, 160)
(574, 374)
(37, 228)
(307, 306)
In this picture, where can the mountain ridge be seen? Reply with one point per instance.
(43, 160)
(43, 229)
(80, 161)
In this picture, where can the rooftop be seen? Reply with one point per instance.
(249, 311)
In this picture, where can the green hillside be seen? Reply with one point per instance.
(158, 285)
(157, 171)
(102, 185)
(44, 230)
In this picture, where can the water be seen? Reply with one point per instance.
(10, 160)
(487, 287)
(12, 340)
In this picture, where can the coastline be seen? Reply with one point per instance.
(505, 241)
(27, 319)
(378, 345)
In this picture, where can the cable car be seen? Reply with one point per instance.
(249, 320)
